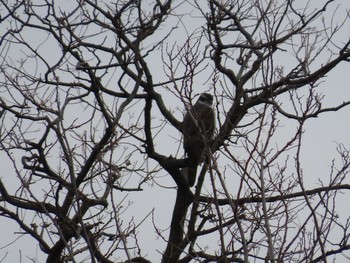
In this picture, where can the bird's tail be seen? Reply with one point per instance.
(190, 174)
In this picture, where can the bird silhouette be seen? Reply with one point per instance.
(198, 128)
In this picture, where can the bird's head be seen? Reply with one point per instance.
(206, 98)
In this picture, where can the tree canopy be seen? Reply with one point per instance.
(92, 98)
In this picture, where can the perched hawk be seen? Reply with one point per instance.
(198, 128)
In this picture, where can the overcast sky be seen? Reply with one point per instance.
(321, 137)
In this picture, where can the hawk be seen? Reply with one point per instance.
(198, 128)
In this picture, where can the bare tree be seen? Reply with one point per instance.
(92, 100)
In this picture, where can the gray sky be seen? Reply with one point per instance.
(319, 149)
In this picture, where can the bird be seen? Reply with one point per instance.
(198, 129)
